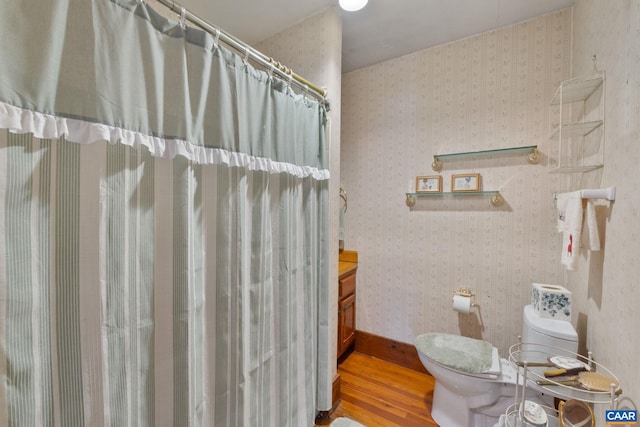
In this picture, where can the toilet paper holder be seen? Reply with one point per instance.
(466, 292)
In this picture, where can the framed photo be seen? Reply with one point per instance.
(429, 184)
(465, 182)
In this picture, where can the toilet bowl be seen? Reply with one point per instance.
(463, 398)
(474, 385)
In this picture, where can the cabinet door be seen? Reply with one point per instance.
(346, 323)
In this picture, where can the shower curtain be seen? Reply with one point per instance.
(163, 227)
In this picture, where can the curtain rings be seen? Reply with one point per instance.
(247, 51)
(272, 68)
(290, 77)
(216, 40)
(183, 18)
(306, 95)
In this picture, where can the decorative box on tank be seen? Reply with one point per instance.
(551, 301)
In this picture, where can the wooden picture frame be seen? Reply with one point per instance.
(465, 182)
(429, 184)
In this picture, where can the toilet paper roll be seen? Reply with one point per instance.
(461, 304)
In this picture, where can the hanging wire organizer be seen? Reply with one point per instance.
(575, 90)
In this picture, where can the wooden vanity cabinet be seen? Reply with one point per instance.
(346, 311)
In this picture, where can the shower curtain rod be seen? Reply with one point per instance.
(241, 47)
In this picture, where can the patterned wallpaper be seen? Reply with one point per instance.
(492, 91)
(485, 92)
(607, 283)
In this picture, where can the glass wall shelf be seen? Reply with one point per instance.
(532, 157)
(496, 197)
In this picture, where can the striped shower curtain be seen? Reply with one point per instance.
(156, 268)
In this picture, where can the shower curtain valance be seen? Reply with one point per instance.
(116, 70)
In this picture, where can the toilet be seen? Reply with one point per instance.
(474, 385)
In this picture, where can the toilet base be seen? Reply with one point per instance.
(452, 410)
(449, 409)
(489, 417)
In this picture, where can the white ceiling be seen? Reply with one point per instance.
(384, 29)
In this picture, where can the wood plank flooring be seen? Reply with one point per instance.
(377, 393)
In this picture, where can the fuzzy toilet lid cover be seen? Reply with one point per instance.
(457, 352)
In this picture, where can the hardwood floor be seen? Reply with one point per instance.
(377, 393)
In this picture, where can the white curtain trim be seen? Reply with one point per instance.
(47, 126)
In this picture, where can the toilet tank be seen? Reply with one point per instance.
(548, 332)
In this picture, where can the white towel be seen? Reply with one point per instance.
(570, 225)
(576, 220)
(590, 236)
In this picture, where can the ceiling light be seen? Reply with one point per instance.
(352, 5)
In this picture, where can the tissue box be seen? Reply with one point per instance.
(551, 301)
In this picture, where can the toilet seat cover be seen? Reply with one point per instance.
(461, 353)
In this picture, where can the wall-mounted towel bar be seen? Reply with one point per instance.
(600, 193)
(597, 193)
